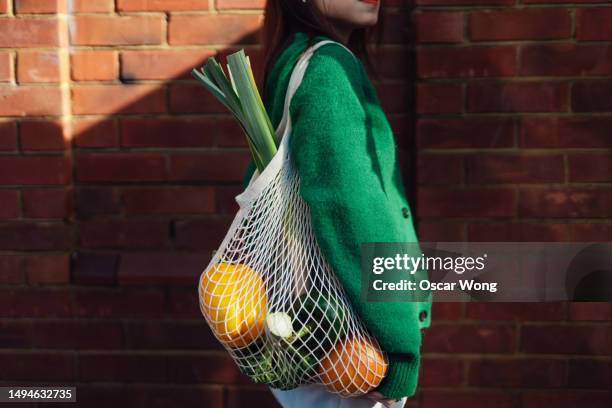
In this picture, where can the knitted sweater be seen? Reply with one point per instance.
(345, 153)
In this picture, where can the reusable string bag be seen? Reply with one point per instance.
(271, 298)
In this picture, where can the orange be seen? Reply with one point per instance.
(233, 300)
(355, 366)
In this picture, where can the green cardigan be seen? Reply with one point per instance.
(345, 153)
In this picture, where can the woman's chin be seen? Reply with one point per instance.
(372, 21)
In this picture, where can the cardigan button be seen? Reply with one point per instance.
(423, 315)
(406, 212)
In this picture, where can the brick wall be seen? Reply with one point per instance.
(514, 139)
(118, 172)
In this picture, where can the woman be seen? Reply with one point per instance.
(344, 151)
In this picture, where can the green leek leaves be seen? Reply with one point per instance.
(239, 94)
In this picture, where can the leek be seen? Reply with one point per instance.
(238, 92)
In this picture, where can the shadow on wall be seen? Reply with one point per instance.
(152, 162)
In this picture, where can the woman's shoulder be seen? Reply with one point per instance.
(332, 61)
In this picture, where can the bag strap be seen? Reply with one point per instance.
(296, 79)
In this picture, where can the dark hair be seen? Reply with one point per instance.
(285, 17)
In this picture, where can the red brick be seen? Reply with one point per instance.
(34, 170)
(441, 372)
(124, 234)
(188, 98)
(565, 339)
(514, 169)
(182, 304)
(183, 200)
(566, 60)
(240, 4)
(516, 311)
(123, 30)
(565, 399)
(396, 28)
(161, 268)
(446, 311)
(197, 369)
(241, 397)
(395, 98)
(120, 167)
(9, 204)
(525, 24)
(188, 132)
(42, 135)
(466, 62)
(464, 399)
(37, 366)
(593, 24)
(92, 201)
(439, 26)
(152, 395)
(161, 5)
(11, 271)
(93, 6)
(466, 203)
(67, 335)
(123, 303)
(214, 29)
(440, 169)
(465, 133)
(46, 203)
(47, 269)
(439, 98)
(566, 132)
(565, 203)
(590, 168)
(463, 338)
(8, 136)
(28, 32)
(6, 62)
(592, 232)
(35, 303)
(203, 234)
(590, 374)
(208, 167)
(390, 63)
(517, 373)
(36, 6)
(35, 237)
(95, 133)
(446, 232)
(170, 335)
(520, 232)
(96, 269)
(115, 99)
(122, 367)
(518, 97)
(13, 334)
(164, 65)
(3, 6)
(595, 311)
(94, 65)
(592, 96)
(30, 101)
(226, 202)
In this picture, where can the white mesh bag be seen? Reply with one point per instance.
(270, 297)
